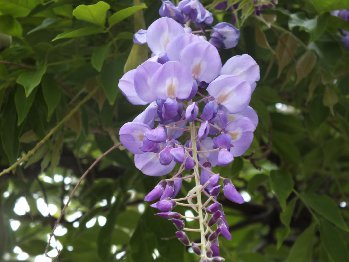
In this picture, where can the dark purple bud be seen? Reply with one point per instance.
(221, 6)
(182, 236)
(157, 134)
(196, 248)
(204, 130)
(225, 35)
(170, 109)
(214, 246)
(170, 10)
(225, 157)
(140, 37)
(189, 163)
(179, 224)
(213, 236)
(150, 146)
(169, 215)
(156, 193)
(191, 112)
(209, 111)
(213, 208)
(214, 218)
(178, 153)
(224, 230)
(177, 186)
(196, 12)
(231, 193)
(165, 156)
(165, 205)
(215, 191)
(169, 190)
(222, 141)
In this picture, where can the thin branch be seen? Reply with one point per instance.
(73, 192)
(3, 62)
(30, 153)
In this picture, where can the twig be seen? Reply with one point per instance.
(30, 153)
(16, 64)
(73, 192)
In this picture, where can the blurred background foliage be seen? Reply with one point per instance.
(60, 62)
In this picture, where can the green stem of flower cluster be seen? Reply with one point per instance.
(198, 192)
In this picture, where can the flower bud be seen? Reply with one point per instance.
(179, 224)
(215, 191)
(231, 193)
(170, 10)
(189, 163)
(178, 153)
(165, 205)
(225, 157)
(214, 218)
(213, 208)
(157, 134)
(224, 229)
(204, 130)
(165, 156)
(191, 112)
(209, 111)
(214, 246)
(214, 235)
(169, 215)
(225, 35)
(177, 186)
(150, 146)
(182, 236)
(169, 190)
(196, 248)
(156, 192)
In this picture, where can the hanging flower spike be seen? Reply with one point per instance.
(198, 117)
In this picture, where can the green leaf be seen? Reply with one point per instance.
(124, 13)
(5, 41)
(285, 50)
(286, 147)
(23, 104)
(261, 38)
(326, 207)
(45, 24)
(85, 31)
(282, 184)
(305, 65)
(333, 243)
(98, 56)
(285, 217)
(18, 8)
(330, 98)
(31, 79)
(302, 249)
(10, 26)
(111, 72)
(326, 5)
(298, 20)
(52, 95)
(95, 14)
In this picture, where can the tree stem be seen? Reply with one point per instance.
(198, 192)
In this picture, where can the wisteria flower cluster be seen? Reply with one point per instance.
(198, 117)
(344, 14)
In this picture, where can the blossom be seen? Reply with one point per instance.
(196, 116)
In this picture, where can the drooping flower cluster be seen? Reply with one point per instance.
(198, 117)
(344, 14)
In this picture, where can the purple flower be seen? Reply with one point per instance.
(243, 66)
(195, 11)
(132, 135)
(204, 130)
(150, 165)
(165, 205)
(231, 193)
(169, 191)
(140, 37)
(178, 154)
(182, 236)
(196, 248)
(169, 215)
(161, 33)
(213, 208)
(179, 224)
(232, 92)
(191, 112)
(156, 192)
(157, 134)
(170, 10)
(165, 156)
(225, 35)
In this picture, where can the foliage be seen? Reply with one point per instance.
(60, 62)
